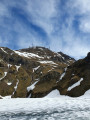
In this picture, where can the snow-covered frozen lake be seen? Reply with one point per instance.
(47, 108)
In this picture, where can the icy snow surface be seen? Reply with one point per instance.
(75, 85)
(45, 109)
(62, 108)
(6, 97)
(53, 94)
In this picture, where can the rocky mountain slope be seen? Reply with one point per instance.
(35, 72)
(76, 80)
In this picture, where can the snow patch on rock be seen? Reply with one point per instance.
(63, 74)
(47, 62)
(4, 50)
(17, 67)
(59, 55)
(75, 85)
(9, 65)
(28, 55)
(15, 88)
(31, 87)
(9, 83)
(5, 73)
(34, 69)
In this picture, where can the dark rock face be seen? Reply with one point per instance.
(77, 71)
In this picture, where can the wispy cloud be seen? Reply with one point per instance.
(62, 25)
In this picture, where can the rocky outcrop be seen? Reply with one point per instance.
(46, 84)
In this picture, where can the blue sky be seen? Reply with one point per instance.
(64, 25)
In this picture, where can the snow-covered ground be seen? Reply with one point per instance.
(47, 108)
(53, 94)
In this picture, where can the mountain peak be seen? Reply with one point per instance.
(31, 72)
(88, 57)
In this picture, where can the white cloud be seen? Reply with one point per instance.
(47, 14)
(3, 10)
(85, 25)
(73, 45)
(82, 9)
(83, 6)
(26, 41)
(42, 13)
(3, 42)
